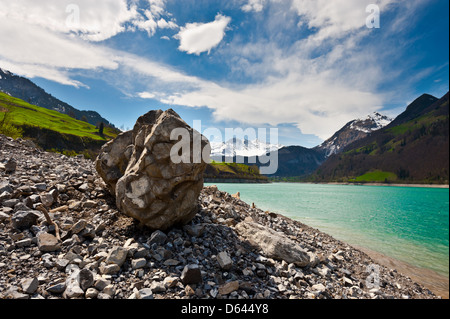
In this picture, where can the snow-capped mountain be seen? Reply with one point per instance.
(353, 131)
(237, 147)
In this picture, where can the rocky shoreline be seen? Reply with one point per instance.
(62, 237)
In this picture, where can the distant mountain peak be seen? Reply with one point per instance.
(354, 131)
(246, 148)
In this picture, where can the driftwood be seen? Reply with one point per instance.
(43, 210)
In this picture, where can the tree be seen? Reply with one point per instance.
(101, 128)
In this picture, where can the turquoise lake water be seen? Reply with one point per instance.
(406, 223)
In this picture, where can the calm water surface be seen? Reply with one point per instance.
(406, 223)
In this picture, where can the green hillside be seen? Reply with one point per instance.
(233, 171)
(49, 129)
(414, 148)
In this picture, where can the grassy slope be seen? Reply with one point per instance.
(20, 113)
(233, 171)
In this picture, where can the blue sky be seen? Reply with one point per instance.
(306, 67)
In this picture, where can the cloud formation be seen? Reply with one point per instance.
(318, 79)
(253, 5)
(196, 38)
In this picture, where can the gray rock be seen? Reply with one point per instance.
(138, 263)
(194, 230)
(47, 242)
(5, 187)
(191, 275)
(5, 196)
(86, 279)
(41, 187)
(91, 293)
(117, 256)
(30, 285)
(25, 219)
(89, 204)
(73, 289)
(224, 261)
(4, 216)
(110, 269)
(145, 293)
(157, 237)
(79, 226)
(150, 186)
(47, 199)
(10, 202)
(157, 287)
(10, 166)
(274, 244)
(58, 288)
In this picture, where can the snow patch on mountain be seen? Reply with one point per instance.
(246, 148)
(353, 131)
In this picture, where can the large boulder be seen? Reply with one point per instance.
(143, 171)
(273, 244)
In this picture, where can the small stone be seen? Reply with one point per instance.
(224, 261)
(145, 293)
(11, 166)
(229, 287)
(191, 275)
(157, 286)
(319, 288)
(117, 256)
(171, 262)
(138, 263)
(24, 219)
(41, 187)
(110, 269)
(101, 284)
(141, 253)
(30, 285)
(194, 230)
(91, 293)
(47, 242)
(109, 290)
(89, 204)
(189, 291)
(57, 288)
(83, 188)
(158, 237)
(4, 216)
(47, 199)
(24, 242)
(73, 289)
(86, 279)
(79, 226)
(170, 282)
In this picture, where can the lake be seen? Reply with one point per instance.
(410, 224)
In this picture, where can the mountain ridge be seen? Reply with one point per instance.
(412, 149)
(26, 90)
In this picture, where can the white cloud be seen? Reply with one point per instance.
(154, 18)
(336, 18)
(196, 38)
(146, 95)
(32, 51)
(89, 20)
(320, 93)
(254, 5)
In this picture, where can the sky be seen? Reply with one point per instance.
(306, 67)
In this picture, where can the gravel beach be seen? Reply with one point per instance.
(62, 237)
